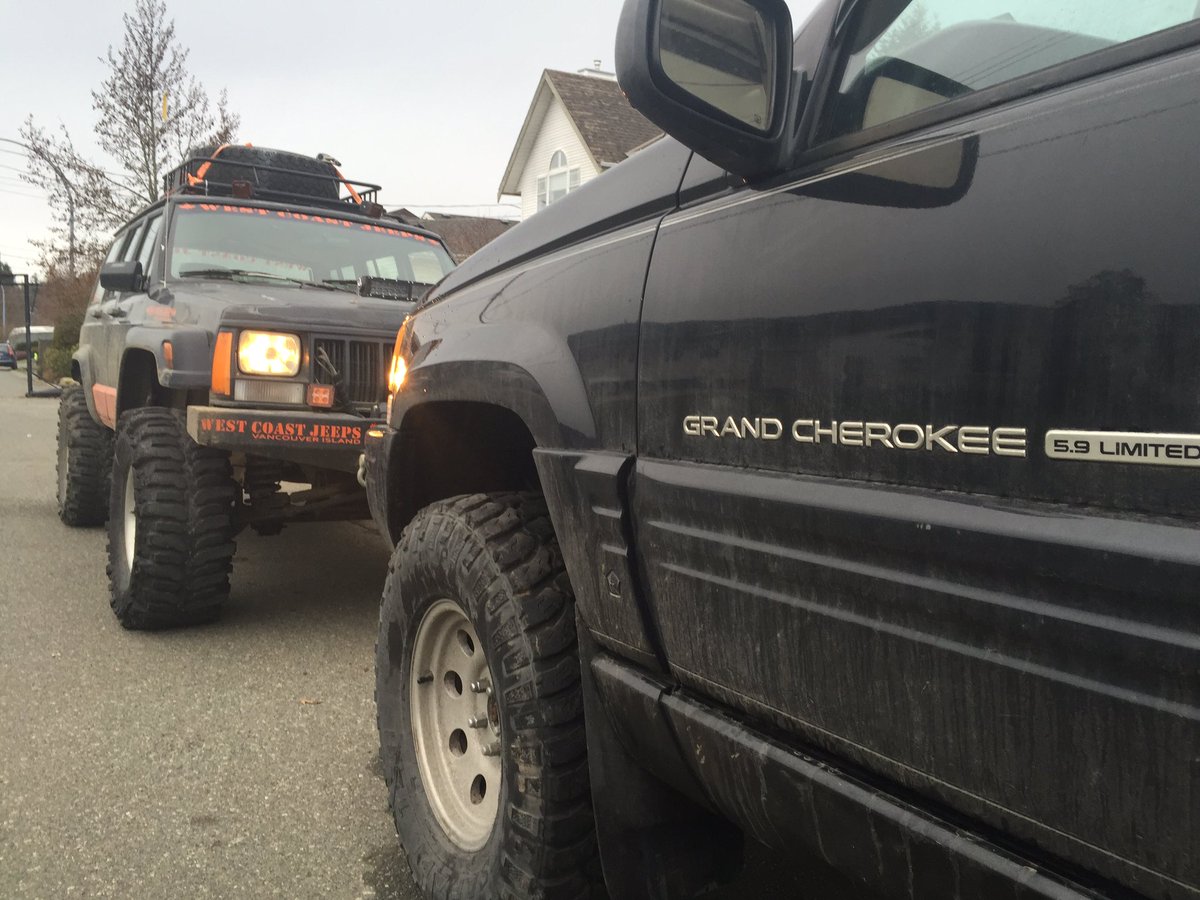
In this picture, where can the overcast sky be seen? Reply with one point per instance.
(426, 99)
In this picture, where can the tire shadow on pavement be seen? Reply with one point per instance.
(311, 573)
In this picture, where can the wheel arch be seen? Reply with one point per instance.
(138, 384)
(447, 447)
(469, 417)
(82, 371)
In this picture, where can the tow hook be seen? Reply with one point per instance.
(362, 469)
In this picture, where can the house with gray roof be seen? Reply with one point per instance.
(463, 234)
(578, 125)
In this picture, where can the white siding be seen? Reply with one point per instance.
(557, 133)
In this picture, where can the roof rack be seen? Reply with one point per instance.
(253, 178)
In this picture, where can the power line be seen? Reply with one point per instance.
(462, 205)
(97, 168)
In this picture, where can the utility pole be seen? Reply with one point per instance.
(29, 391)
(70, 199)
(28, 341)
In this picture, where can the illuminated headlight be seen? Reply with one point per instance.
(399, 369)
(398, 373)
(267, 353)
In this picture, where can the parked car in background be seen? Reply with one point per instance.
(824, 476)
(8, 356)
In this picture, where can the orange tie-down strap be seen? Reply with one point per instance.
(349, 187)
(198, 178)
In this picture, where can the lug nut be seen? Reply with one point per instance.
(477, 722)
(492, 749)
(481, 687)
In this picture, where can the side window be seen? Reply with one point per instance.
(134, 243)
(426, 266)
(149, 243)
(903, 57)
(383, 267)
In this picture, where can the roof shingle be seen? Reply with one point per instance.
(607, 123)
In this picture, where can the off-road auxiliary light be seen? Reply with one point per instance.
(268, 353)
(321, 396)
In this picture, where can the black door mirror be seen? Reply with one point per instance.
(714, 74)
(122, 277)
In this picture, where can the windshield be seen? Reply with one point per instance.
(215, 240)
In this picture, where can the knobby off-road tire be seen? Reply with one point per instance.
(170, 524)
(265, 495)
(488, 569)
(85, 450)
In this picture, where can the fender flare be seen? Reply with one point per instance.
(528, 371)
(191, 354)
(83, 358)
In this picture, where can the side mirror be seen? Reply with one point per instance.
(122, 277)
(714, 74)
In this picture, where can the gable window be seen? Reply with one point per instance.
(559, 181)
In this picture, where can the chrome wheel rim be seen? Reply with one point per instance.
(130, 522)
(455, 723)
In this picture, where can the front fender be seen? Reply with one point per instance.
(82, 357)
(524, 369)
(191, 354)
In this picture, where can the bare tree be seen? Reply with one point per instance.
(914, 24)
(131, 130)
(102, 202)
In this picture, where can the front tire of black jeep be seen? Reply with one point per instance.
(85, 450)
(479, 705)
(170, 524)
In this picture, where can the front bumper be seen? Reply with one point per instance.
(328, 440)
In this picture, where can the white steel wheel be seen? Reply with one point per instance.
(455, 725)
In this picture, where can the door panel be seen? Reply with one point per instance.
(920, 588)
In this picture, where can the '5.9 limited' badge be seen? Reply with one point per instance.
(1124, 447)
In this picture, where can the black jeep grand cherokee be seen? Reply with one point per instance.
(826, 476)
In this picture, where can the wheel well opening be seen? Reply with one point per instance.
(451, 448)
(138, 384)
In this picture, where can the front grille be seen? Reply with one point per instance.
(362, 364)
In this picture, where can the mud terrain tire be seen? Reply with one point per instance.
(170, 524)
(493, 561)
(85, 450)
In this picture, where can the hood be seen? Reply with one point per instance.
(286, 306)
(643, 186)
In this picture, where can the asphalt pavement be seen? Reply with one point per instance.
(234, 760)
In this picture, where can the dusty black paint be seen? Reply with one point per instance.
(1007, 643)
